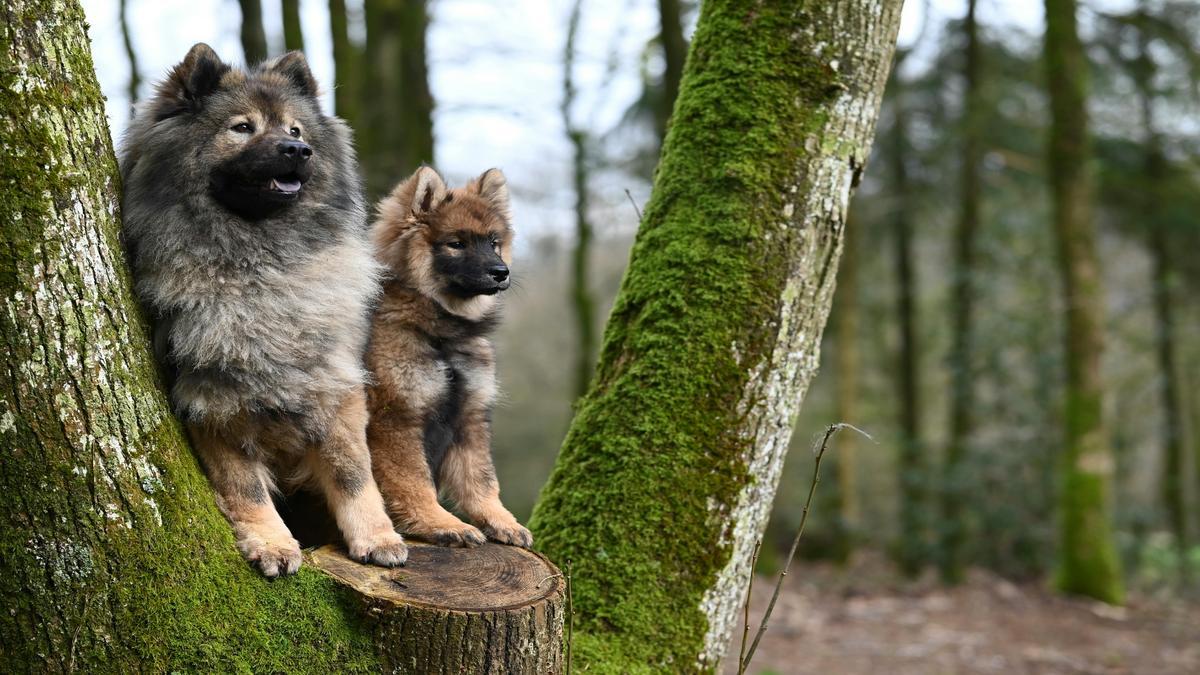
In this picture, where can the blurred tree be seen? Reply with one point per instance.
(670, 36)
(396, 134)
(583, 304)
(1088, 562)
(347, 69)
(953, 525)
(666, 478)
(912, 549)
(1144, 193)
(293, 33)
(847, 360)
(254, 39)
(135, 78)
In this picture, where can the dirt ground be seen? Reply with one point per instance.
(864, 621)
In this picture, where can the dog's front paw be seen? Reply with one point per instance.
(460, 535)
(272, 558)
(386, 549)
(513, 534)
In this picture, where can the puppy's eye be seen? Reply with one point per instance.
(295, 132)
(455, 244)
(243, 128)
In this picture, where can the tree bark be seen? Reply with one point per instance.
(113, 555)
(492, 609)
(953, 528)
(674, 47)
(400, 115)
(666, 478)
(1088, 563)
(293, 32)
(347, 72)
(583, 304)
(912, 550)
(254, 38)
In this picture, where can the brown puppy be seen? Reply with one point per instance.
(447, 252)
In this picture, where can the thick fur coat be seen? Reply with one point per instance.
(246, 230)
(447, 253)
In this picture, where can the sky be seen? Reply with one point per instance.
(495, 72)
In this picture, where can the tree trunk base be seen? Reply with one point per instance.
(490, 609)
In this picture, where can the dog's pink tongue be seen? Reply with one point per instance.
(285, 185)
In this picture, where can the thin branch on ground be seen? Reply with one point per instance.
(819, 449)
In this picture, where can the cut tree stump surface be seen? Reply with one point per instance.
(489, 609)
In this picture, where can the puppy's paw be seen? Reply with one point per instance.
(272, 558)
(513, 534)
(460, 535)
(386, 549)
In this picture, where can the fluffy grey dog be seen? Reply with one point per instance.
(245, 226)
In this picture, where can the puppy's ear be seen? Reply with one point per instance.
(294, 67)
(192, 80)
(421, 193)
(493, 187)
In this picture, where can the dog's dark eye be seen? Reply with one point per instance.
(454, 244)
(243, 128)
(295, 131)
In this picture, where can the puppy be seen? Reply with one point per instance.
(245, 227)
(447, 253)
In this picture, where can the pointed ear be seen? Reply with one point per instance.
(294, 67)
(493, 187)
(421, 193)
(194, 78)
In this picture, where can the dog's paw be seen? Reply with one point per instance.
(513, 534)
(272, 558)
(386, 549)
(457, 536)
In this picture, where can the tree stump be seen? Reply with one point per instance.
(489, 609)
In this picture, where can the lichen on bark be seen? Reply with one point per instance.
(668, 472)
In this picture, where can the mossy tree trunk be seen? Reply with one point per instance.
(954, 488)
(396, 136)
(293, 32)
(254, 38)
(1088, 562)
(667, 475)
(113, 555)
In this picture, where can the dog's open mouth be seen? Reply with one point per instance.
(288, 184)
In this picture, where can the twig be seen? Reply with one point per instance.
(570, 617)
(635, 206)
(742, 662)
(552, 576)
(818, 449)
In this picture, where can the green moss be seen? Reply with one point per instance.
(655, 443)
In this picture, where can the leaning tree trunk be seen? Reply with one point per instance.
(667, 475)
(113, 556)
(1088, 562)
(953, 528)
(254, 38)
